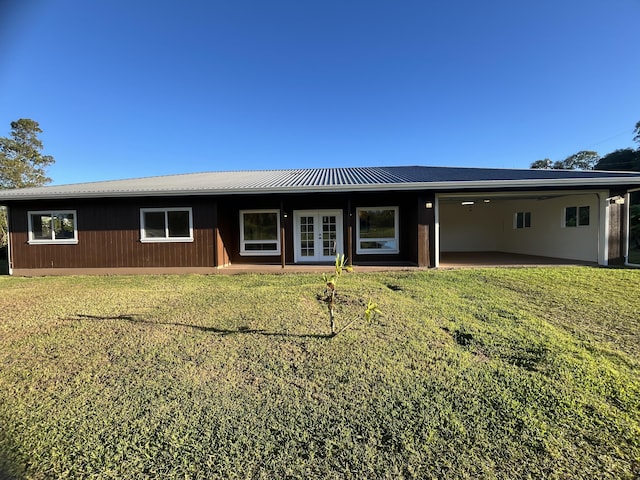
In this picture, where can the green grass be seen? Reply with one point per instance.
(495, 373)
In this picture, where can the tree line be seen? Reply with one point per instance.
(22, 163)
(626, 159)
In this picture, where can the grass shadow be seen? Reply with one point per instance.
(220, 331)
(4, 475)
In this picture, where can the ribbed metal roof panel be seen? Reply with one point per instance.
(319, 179)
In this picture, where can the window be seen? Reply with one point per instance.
(166, 225)
(377, 230)
(522, 220)
(576, 216)
(259, 232)
(53, 227)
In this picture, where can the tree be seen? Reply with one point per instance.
(331, 283)
(330, 294)
(624, 159)
(22, 163)
(545, 164)
(559, 165)
(583, 160)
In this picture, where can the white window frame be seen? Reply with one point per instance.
(243, 242)
(578, 224)
(53, 240)
(378, 251)
(524, 220)
(166, 238)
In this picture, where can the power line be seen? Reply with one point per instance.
(600, 142)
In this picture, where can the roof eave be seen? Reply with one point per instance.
(448, 185)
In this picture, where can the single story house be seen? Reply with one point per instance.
(403, 215)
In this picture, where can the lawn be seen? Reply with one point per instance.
(489, 373)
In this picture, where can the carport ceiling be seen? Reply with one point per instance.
(499, 197)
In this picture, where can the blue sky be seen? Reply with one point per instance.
(139, 88)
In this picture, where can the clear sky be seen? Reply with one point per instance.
(131, 88)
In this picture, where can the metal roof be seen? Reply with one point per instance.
(327, 180)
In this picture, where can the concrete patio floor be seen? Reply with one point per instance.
(449, 260)
(501, 259)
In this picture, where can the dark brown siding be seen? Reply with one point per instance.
(109, 231)
(408, 226)
(109, 236)
(229, 223)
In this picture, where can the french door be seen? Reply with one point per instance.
(317, 235)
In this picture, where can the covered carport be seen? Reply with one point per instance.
(521, 228)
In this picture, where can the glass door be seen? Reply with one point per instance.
(317, 235)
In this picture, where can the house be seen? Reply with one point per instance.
(409, 215)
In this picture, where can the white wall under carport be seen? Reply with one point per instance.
(489, 224)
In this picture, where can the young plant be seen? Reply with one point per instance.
(330, 292)
(372, 309)
(331, 283)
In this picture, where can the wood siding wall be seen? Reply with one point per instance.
(109, 236)
(616, 235)
(229, 223)
(109, 231)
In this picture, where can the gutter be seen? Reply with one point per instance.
(424, 186)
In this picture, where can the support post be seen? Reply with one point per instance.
(282, 243)
(424, 247)
(426, 229)
(283, 218)
(349, 234)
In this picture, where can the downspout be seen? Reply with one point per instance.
(283, 219)
(436, 205)
(627, 224)
(349, 234)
